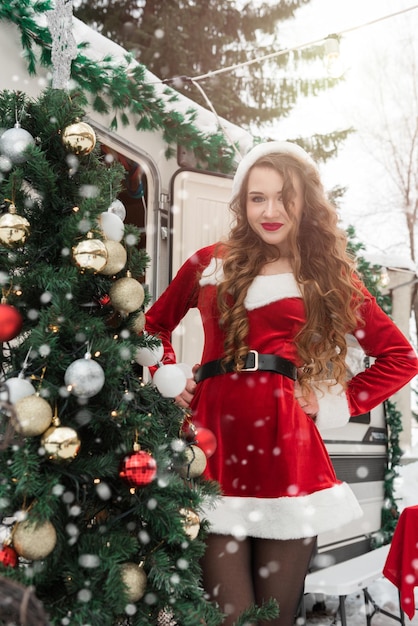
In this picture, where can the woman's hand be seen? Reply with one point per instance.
(186, 395)
(308, 400)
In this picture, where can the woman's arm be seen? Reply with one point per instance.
(394, 364)
(180, 296)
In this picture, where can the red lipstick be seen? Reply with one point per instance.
(271, 226)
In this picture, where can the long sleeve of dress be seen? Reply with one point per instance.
(173, 304)
(395, 361)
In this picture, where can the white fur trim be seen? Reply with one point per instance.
(263, 149)
(333, 406)
(284, 518)
(213, 274)
(266, 289)
(263, 290)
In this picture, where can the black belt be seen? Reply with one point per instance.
(253, 362)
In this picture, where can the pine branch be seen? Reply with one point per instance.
(268, 611)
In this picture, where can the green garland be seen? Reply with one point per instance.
(390, 511)
(114, 89)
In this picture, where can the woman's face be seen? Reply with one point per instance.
(265, 210)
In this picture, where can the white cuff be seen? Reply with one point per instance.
(333, 406)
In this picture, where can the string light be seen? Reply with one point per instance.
(333, 63)
(302, 46)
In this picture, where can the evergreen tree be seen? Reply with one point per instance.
(178, 39)
(99, 495)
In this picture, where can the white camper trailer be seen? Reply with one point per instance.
(181, 209)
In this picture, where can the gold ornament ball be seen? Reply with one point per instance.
(195, 463)
(79, 138)
(116, 258)
(34, 541)
(134, 579)
(90, 254)
(14, 229)
(61, 443)
(34, 415)
(191, 522)
(126, 295)
(138, 323)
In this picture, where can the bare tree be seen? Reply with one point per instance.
(388, 127)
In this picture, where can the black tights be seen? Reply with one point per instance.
(237, 573)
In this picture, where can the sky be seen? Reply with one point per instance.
(369, 53)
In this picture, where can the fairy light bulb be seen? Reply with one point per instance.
(333, 62)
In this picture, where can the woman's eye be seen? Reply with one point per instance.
(257, 198)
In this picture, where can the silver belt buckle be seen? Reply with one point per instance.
(254, 367)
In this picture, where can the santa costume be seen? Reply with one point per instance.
(275, 474)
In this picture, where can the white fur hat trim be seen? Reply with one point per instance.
(263, 149)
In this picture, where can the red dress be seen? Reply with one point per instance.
(275, 474)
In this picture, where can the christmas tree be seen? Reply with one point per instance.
(100, 493)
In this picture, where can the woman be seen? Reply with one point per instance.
(277, 301)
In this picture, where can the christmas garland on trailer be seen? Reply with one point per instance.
(121, 88)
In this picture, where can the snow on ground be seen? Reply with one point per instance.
(383, 592)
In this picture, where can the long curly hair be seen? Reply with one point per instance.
(321, 265)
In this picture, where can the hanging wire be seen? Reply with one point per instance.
(212, 108)
(308, 44)
(195, 79)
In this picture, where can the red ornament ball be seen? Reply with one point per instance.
(138, 469)
(8, 556)
(206, 440)
(200, 436)
(104, 300)
(11, 322)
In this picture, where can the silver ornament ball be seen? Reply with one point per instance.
(14, 142)
(118, 208)
(84, 378)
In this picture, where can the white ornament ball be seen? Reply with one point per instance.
(170, 380)
(135, 580)
(147, 357)
(116, 258)
(84, 378)
(14, 142)
(34, 415)
(17, 388)
(126, 295)
(112, 226)
(34, 541)
(186, 368)
(118, 208)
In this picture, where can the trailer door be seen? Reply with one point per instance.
(199, 217)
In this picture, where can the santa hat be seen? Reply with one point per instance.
(263, 149)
